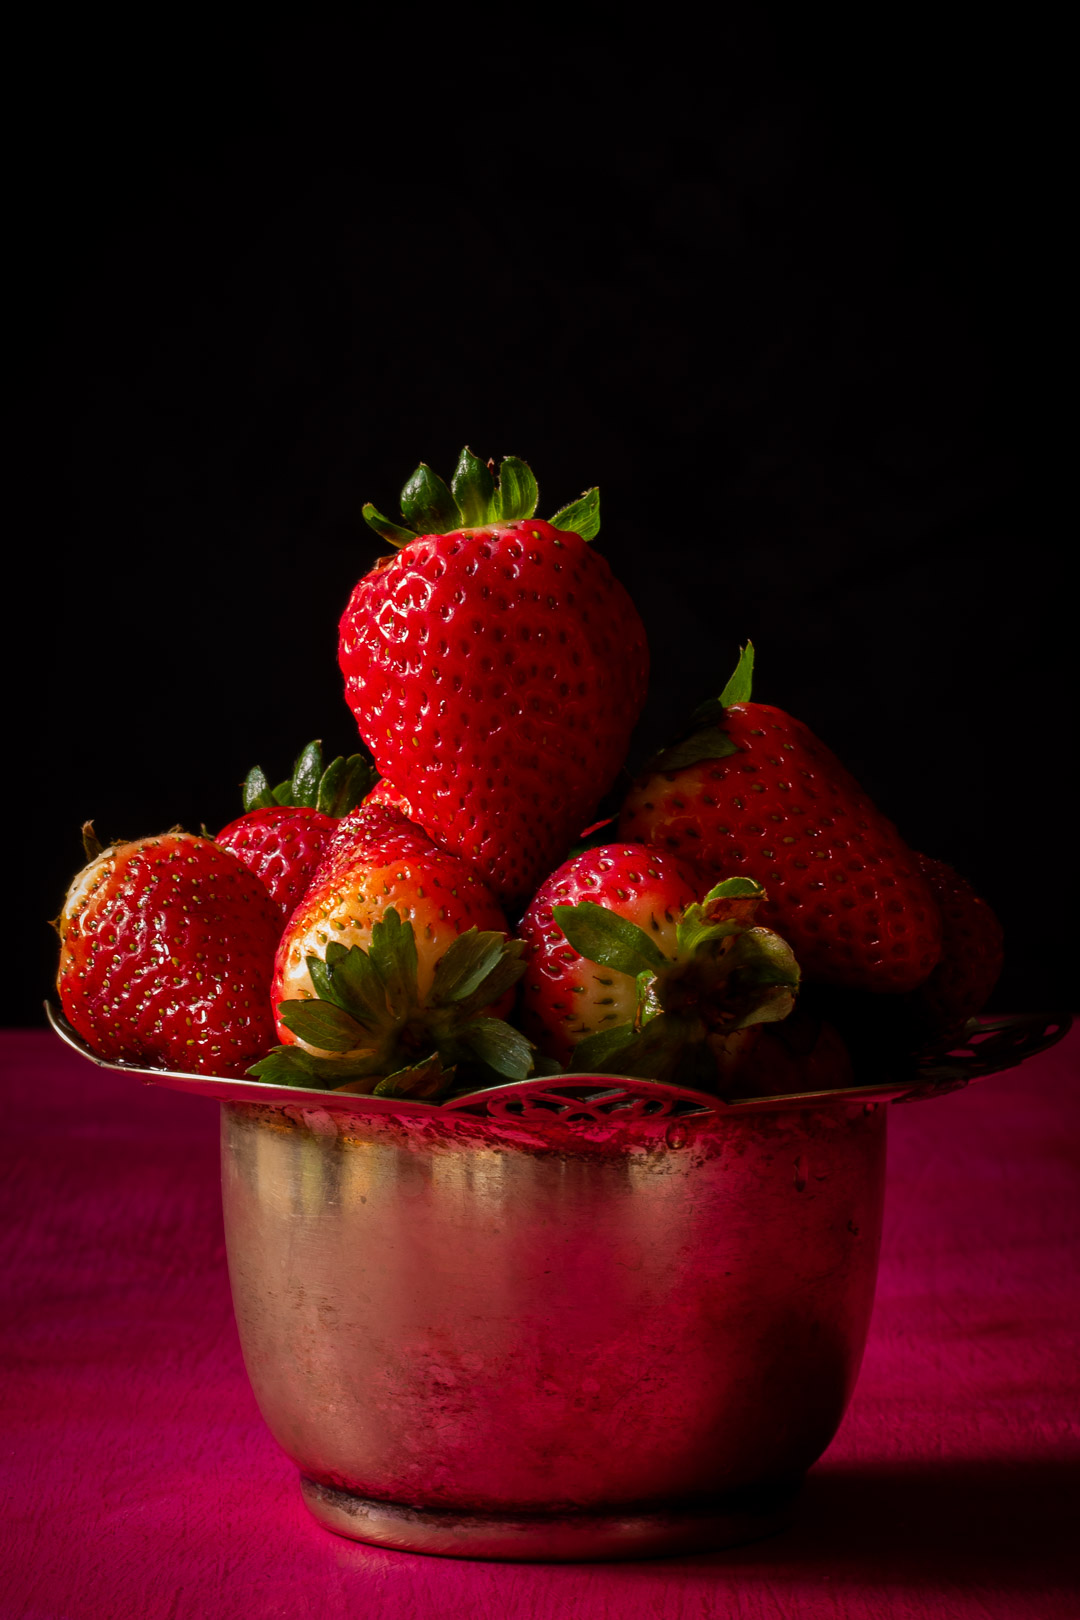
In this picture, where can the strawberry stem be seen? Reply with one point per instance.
(475, 498)
(335, 790)
(705, 738)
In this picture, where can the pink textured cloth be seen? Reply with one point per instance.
(139, 1479)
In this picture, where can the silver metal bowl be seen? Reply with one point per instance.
(574, 1319)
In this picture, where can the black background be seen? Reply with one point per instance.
(781, 289)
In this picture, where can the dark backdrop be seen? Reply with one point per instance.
(779, 289)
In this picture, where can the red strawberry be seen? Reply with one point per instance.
(629, 975)
(751, 790)
(394, 967)
(385, 792)
(283, 846)
(566, 997)
(166, 952)
(971, 955)
(495, 668)
(286, 830)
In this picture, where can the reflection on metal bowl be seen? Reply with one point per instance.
(554, 1327)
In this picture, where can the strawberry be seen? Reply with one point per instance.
(751, 790)
(286, 830)
(629, 975)
(565, 996)
(393, 969)
(385, 792)
(166, 953)
(971, 956)
(495, 668)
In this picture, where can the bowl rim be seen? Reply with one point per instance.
(990, 1046)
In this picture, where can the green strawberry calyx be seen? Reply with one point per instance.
(704, 736)
(334, 789)
(388, 1041)
(727, 974)
(475, 497)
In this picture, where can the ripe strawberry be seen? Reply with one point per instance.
(629, 975)
(751, 790)
(495, 668)
(393, 967)
(565, 996)
(166, 952)
(385, 792)
(286, 830)
(971, 956)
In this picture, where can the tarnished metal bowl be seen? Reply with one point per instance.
(570, 1319)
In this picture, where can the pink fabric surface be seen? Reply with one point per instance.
(139, 1480)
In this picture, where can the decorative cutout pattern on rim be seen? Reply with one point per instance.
(990, 1045)
(577, 1104)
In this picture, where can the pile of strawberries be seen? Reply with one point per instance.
(750, 921)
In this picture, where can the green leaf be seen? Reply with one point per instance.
(652, 1054)
(307, 773)
(287, 1066)
(693, 931)
(734, 888)
(427, 504)
(358, 984)
(517, 494)
(602, 936)
(350, 980)
(392, 533)
(474, 490)
(502, 977)
(393, 951)
(759, 957)
(257, 792)
(497, 1044)
(544, 1066)
(711, 743)
(322, 981)
(322, 1024)
(599, 1047)
(345, 784)
(464, 965)
(292, 1066)
(328, 786)
(283, 793)
(709, 713)
(776, 1004)
(581, 516)
(334, 1070)
(738, 687)
(423, 1081)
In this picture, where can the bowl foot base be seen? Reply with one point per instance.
(553, 1538)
